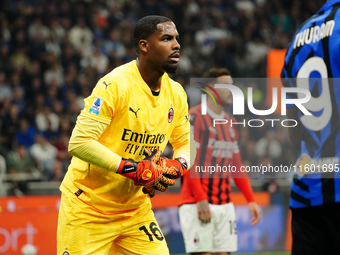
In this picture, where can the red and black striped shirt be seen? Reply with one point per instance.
(216, 147)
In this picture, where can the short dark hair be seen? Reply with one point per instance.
(216, 72)
(145, 27)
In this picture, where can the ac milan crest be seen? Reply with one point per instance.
(170, 114)
(196, 239)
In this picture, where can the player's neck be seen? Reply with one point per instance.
(150, 76)
(215, 108)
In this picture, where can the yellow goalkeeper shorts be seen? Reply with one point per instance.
(82, 231)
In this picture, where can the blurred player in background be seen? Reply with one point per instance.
(207, 214)
(136, 106)
(312, 58)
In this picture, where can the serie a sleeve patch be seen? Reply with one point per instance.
(96, 105)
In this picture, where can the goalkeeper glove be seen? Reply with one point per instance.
(177, 166)
(146, 172)
(166, 172)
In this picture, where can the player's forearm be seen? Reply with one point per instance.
(241, 179)
(97, 154)
(243, 184)
(186, 150)
(197, 189)
(84, 144)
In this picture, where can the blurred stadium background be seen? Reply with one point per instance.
(52, 52)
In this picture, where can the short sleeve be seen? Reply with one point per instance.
(103, 102)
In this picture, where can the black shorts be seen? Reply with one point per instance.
(316, 230)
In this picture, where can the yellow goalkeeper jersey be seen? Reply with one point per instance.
(136, 119)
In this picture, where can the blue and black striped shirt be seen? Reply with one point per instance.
(313, 58)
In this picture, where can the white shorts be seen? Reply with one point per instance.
(219, 235)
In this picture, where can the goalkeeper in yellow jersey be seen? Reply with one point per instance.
(136, 106)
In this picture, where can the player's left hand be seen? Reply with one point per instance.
(255, 213)
(178, 165)
(169, 173)
(146, 172)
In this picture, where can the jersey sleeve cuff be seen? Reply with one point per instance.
(96, 118)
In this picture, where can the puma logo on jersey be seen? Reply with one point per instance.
(135, 112)
(104, 82)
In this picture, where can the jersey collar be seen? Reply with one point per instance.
(143, 84)
(215, 115)
(328, 4)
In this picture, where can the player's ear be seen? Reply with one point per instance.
(143, 46)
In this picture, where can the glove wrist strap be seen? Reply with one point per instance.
(127, 166)
(183, 162)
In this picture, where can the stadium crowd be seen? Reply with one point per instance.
(52, 52)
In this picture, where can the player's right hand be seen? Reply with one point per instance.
(255, 213)
(146, 172)
(166, 172)
(203, 210)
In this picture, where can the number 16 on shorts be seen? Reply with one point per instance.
(155, 232)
